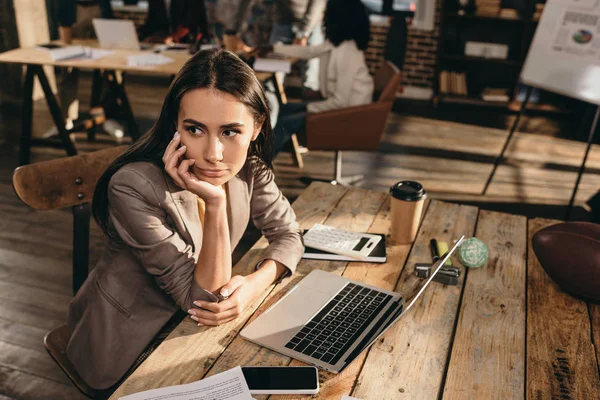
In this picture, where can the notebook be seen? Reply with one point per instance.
(378, 255)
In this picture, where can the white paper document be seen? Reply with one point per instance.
(272, 65)
(147, 60)
(74, 52)
(349, 398)
(228, 385)
(577, 36)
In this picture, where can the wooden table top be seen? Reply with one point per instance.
(117, 60)
(506, 331)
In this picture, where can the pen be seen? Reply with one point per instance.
(434, 250)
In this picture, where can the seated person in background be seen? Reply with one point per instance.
(344, 77)
(174, 21)
(173, 207)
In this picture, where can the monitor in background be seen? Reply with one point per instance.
(116, 34)
(390, 7)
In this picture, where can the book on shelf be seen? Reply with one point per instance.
(452, 82)
(495, 94)
(509, 13)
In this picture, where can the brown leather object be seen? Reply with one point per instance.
(63, 182)
(570, 254)
(355, 128)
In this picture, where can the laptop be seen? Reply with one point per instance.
(116, 34)
(327, 320)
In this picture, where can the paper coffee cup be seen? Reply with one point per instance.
(407, 199)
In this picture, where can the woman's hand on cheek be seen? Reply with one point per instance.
(208, 192)
(172, 157)
(240, 292)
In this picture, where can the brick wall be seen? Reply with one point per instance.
(421, 50)
(375, 52)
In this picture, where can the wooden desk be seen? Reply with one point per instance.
(34, 58)
(505, 332)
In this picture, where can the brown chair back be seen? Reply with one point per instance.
(64, 182)
(355, 128)
(67, 182)
(386, 80)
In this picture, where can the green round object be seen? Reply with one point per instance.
(473, 253)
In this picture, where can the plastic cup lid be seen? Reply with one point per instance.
(408, 191)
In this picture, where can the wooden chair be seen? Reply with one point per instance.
(357, 128)
(61, 183)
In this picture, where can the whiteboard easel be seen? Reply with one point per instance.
(564, 58)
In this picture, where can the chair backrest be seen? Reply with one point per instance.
(67, 182)
(63, 182)
(387, 79)
(355, 128)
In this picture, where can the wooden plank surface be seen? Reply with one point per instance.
(595, 314)
(356, 211)
(409, 362)
(190, 351)
(561, 361)
(488, 355)
(21, 385)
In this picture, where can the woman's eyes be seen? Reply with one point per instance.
(195, 131)
(230, 133)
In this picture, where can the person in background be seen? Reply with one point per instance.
(75, 22)
(174, 21)
(344, 75)
(296, 22)
(75, 17)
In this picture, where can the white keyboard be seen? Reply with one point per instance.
(337, 241)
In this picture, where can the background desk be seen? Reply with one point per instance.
(503, 323)
(34, 59)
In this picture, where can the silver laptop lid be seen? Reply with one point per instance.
(436, 267)
(116, 34)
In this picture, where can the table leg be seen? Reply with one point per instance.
(26, 116)
(582, 167)
(56, 112)
(282, 98)
(119, 90)
(508, 138)
(95, 100)
(279, 89)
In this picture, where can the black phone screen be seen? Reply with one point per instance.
(281, 378)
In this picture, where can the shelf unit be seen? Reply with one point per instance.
(516, 32)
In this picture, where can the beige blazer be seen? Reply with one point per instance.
(146, 271)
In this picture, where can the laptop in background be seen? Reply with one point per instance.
(327, 320)
(116, 34)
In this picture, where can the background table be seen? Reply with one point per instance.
(505, 332)
(34, 58)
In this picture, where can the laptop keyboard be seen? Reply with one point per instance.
(335, 328)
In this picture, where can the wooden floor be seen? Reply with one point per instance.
(453, 160)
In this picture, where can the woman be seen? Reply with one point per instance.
(344, 77)
(173, 206)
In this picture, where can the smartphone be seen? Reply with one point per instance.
(282, 380)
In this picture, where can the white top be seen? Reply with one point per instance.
(343, 74)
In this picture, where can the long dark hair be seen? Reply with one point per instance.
(347, 20)
(213, 69)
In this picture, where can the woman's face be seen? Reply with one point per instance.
(217, 130)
